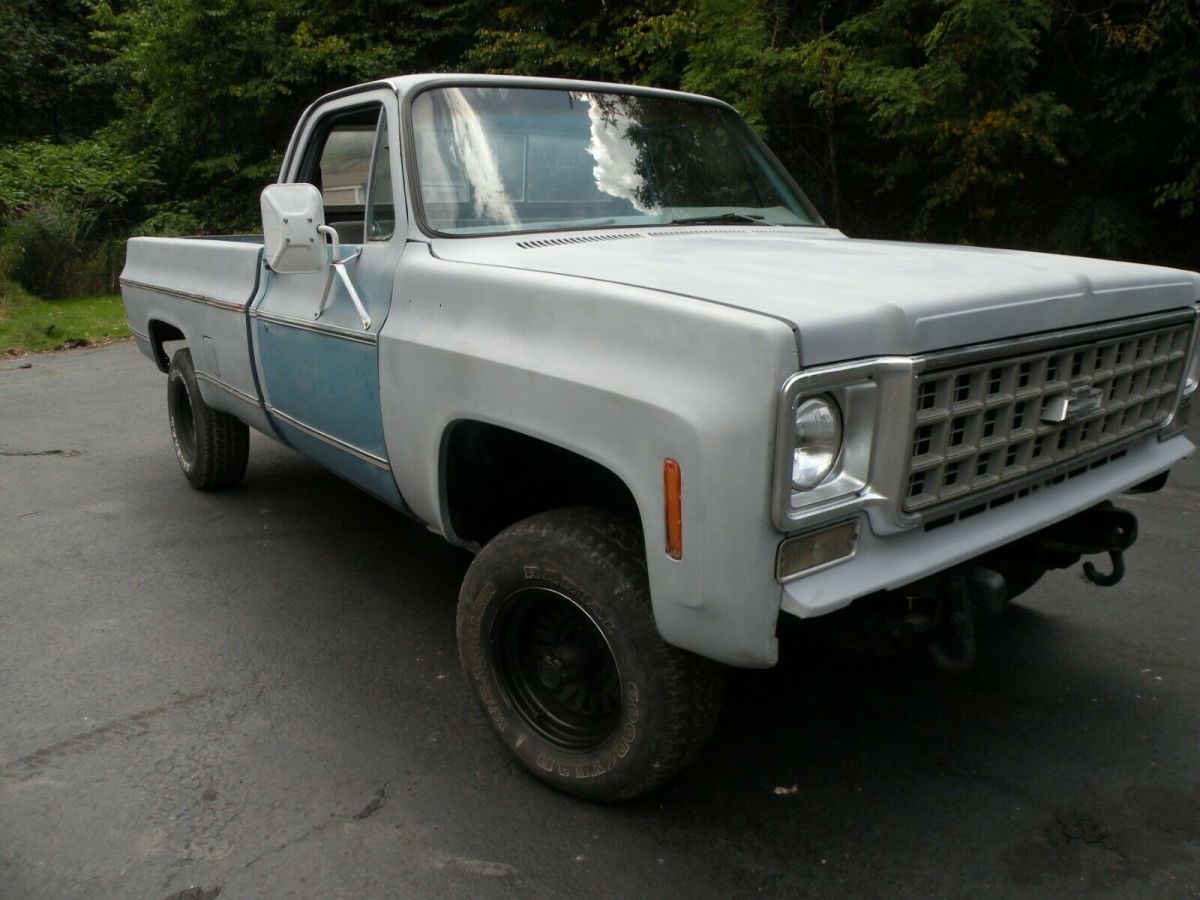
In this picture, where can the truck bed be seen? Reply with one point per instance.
(199, 290)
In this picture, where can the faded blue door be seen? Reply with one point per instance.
(320, 375)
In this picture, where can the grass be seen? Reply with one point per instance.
(28, 325)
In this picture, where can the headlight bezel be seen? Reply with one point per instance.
(858, 389)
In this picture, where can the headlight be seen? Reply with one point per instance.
(818, 441)
(1192, 380)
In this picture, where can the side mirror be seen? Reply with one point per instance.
(292, 216)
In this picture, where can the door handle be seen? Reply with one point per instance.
(338, 267)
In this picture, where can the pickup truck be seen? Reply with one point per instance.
(597, 335)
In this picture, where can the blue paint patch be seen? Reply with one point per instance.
(325, 382)
(375, 481)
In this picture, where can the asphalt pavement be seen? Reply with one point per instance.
(256, 692)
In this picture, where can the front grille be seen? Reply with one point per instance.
(983, 424)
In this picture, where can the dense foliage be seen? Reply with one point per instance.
(1064, 125)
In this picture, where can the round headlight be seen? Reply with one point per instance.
(818, 441)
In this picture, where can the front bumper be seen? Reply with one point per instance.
(894, 560)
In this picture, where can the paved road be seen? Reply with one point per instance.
(258, 691)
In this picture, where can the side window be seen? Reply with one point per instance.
(339, 164)
(381, 206)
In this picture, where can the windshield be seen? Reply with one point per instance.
(493, 159)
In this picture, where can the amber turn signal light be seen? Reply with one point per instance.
(673, 504)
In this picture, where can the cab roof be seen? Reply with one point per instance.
(408, 84)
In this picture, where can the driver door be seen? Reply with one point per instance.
(315, 348)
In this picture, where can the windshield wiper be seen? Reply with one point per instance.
(748, 218)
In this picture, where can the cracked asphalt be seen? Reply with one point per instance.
(256, 694)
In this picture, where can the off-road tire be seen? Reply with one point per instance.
(212, 447)
(663, 703)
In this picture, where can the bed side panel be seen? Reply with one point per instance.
(202, 287)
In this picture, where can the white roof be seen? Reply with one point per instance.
(405, 84)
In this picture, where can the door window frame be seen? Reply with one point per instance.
(311, 141)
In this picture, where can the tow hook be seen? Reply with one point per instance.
(1095, 576)
(952, 639)
(955, 603)
(1101, 529)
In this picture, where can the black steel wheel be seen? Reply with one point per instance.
(558, 643)
(213, 447)
(556, 668)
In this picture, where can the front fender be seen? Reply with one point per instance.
(623, 376)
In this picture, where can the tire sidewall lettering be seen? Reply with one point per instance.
(576, 553)
(625, 739)
(477, 665)
(580, 595)
(605, 760)
(181, 384)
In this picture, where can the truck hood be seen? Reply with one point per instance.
(847, 298)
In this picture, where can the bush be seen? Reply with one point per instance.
(52, 199)
(46, 249)
(172, 219)
(93, 174)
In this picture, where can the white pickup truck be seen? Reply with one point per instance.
(597, 335)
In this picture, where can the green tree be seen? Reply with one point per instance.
(49, 70)
(213, 88)
(1067, 125)
(932, 105)
(642, 42)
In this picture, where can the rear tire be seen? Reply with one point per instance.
(212, 447)
(558, 642)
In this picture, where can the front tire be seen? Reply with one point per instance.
(558, 643)
(212, 447)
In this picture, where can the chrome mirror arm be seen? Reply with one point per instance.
(338, 266)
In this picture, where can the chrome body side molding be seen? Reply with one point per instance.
(357, 452)
(316, 327)
(185, 295)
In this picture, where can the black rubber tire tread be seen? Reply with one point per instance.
(597, 559)
(222, 441)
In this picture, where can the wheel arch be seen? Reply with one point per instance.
(491, 477)
(160, 332)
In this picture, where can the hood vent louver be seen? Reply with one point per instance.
(581, 239)
(687, 231)
(596, 238)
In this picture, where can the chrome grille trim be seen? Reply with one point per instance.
(1016, 490)
(985, 417)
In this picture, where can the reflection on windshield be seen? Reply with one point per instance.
(498, 159)
(469, 151)
(616, 171)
